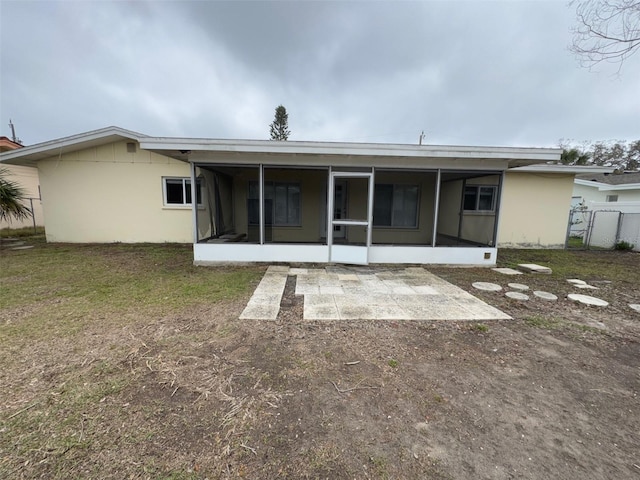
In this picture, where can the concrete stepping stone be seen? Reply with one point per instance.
(534, 268)
(517, 296)
(518, 286)
(585, 286)
(587, 300)
(545, 295)
(24, 247)
(507, 271)
(635, 306)
(576, 281)
(487, 286)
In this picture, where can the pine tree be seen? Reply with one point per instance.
(280, 125)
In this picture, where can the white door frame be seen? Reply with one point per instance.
(349, 253)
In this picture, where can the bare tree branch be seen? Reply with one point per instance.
(607, 31)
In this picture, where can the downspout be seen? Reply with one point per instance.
(330, 200)
(436, 208)
(461, 214)
(261, 202)
(497, 214)
(194, 202)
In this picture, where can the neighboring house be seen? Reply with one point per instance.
(602, 187)
(606, 209)
(261, 200)
(27, 179)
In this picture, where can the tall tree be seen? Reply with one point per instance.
(608, 30)
(280, 125)
(11, 198)
(573, 156)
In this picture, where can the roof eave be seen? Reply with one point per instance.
(31, 154)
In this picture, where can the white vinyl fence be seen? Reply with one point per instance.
(604, 224)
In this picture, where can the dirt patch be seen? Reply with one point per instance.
(201, 394)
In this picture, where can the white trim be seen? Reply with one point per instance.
(207, 253)
(204, 253)
(33, 153)
(434, 255)
(555, 168)
(348, 148)
(184, 204)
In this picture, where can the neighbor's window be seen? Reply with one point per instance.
(177, 191)
(480, 198)
(281, 203)
(395, 205)
(612, 198)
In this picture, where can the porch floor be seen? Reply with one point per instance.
(367, 293)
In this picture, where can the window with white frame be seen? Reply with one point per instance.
(480, 198)
(395, 205)
(612, 198)
(281, 204)
(177, 191)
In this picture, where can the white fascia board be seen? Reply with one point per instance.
(33, 153)
(355, 149)
(555, 168)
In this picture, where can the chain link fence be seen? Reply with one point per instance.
(603, 229)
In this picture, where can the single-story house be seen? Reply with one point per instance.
(291, 201)
(606, 187)
(27, 180)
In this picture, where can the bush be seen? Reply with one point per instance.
(622, 245)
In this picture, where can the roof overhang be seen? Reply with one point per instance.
(605, 187)
(291, 153)
(555, 168)
(30, 155)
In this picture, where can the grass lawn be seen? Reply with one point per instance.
(126, 361)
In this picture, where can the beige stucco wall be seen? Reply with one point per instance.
(535, 210)
(27, 179)
(106, 194)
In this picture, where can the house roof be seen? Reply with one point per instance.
(206, 150)
(31, 154)
(6, 144)
(616, 179)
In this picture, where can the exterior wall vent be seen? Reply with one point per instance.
(131, 147)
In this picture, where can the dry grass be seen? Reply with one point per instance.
(123, 361)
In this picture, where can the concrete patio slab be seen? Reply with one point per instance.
(363, 293)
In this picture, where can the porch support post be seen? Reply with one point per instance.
(372, 183)
(436, 204)
(461, 214)
(261, 202)
(194, 202)
(330, 199)
(496, 220)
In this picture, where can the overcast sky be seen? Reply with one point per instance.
(467, 73)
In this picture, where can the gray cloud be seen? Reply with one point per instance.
(465, 72)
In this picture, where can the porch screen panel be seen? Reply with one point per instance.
(405, 205)
(383, 198)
